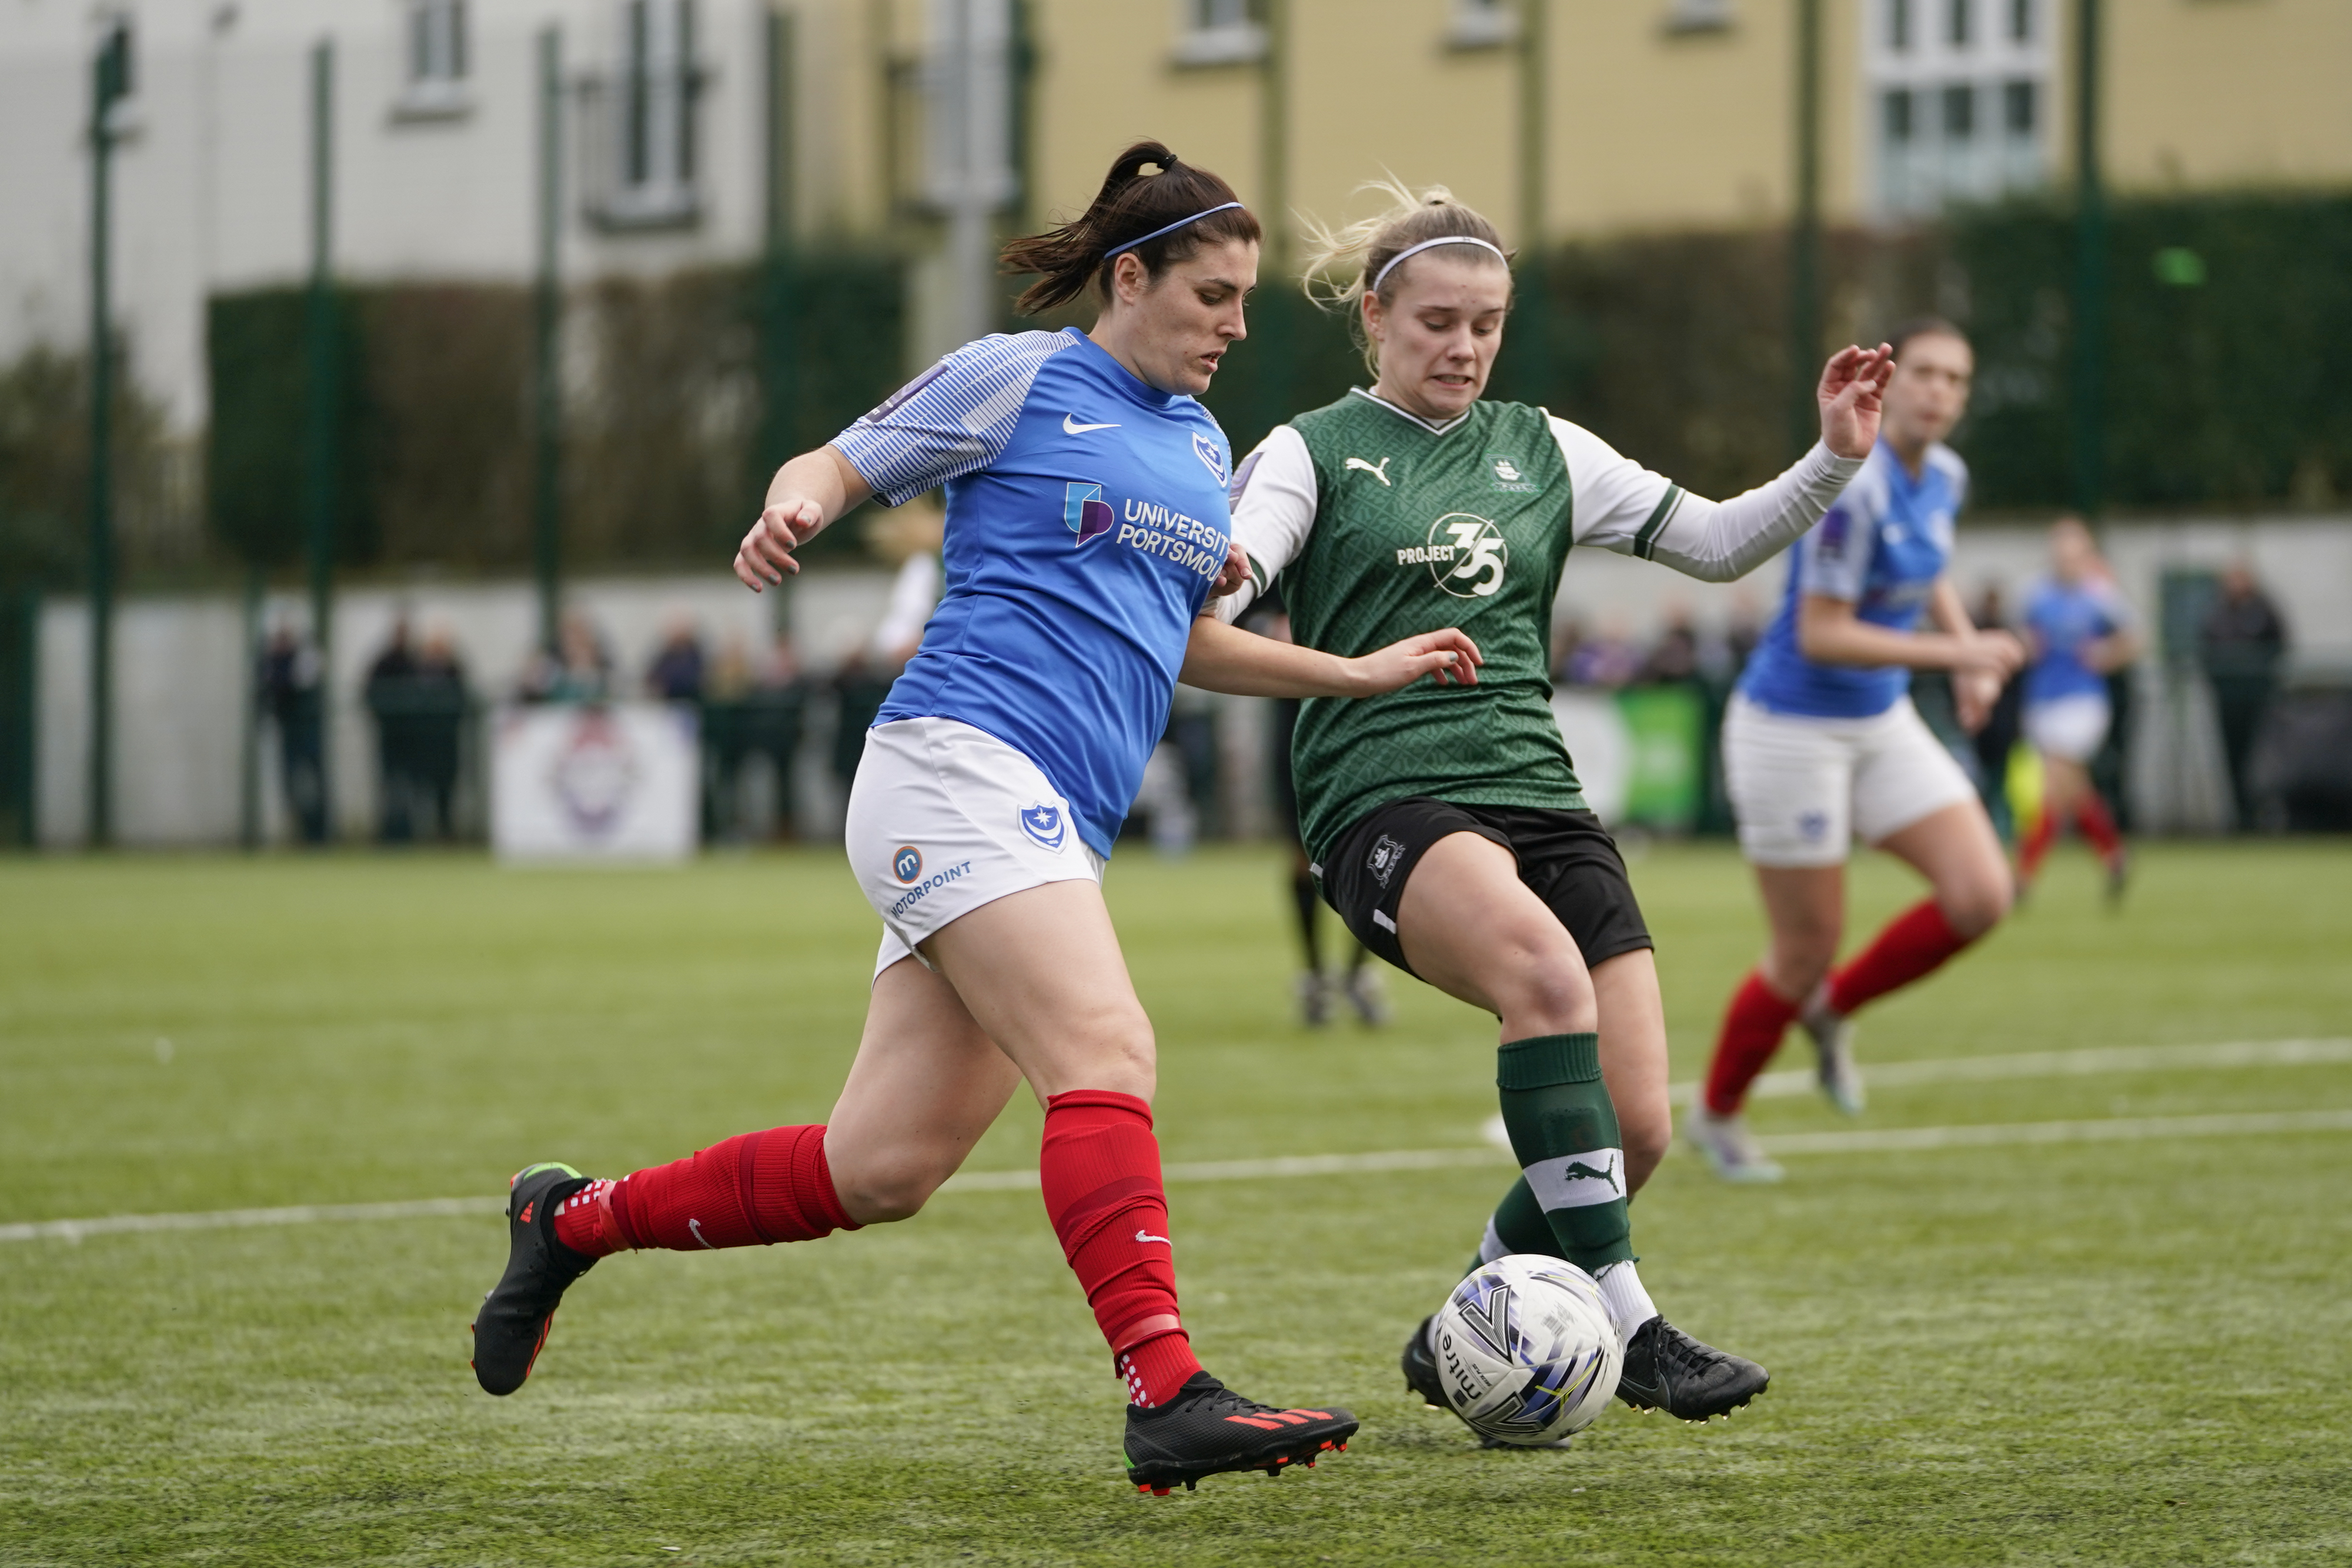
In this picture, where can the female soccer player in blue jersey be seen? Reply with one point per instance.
(2079, 631)
(1086, 523)
(1821, 746)
(1448, 828)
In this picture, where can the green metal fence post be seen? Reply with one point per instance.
(547, 397)
(1275, 380)
(110, 82)
(777, 417)
(2090, 345)
(1805, 234)
(1534, 324)
(323, 403)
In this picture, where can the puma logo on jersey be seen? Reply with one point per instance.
(1070, 425)
(1378, 471)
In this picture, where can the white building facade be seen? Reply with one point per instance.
(434, 139)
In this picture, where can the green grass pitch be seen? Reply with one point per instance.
(2118, 1353)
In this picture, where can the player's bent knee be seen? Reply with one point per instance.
(1975, 908)
(888, 1191)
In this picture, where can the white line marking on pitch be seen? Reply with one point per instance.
(2027, 1064)
(1891, 1140)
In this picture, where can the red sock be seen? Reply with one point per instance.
(2035, 846)
(1914, 943)
(1752, 1027)
(752, 1190)
(1099, 1169)
(2098, 827)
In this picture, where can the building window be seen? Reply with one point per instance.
(1482, 25)
(1219, 32)
(432, 84)
(1959, 113)
(2017, 116)
(1699, 16)
(1960, 93)
(641, 155)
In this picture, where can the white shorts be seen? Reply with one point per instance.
(945, 817)
(2071, 729)
(1804, 789)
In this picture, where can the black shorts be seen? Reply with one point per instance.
(1566, 858)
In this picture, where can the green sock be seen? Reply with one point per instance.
(1564, 1131)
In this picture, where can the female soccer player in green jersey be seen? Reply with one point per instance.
(1447, 827)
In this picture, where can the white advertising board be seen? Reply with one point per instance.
(622, 782)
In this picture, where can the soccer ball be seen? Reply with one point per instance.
(1527, 1350)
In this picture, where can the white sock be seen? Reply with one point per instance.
(1629, 1305)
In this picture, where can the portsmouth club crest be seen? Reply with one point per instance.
(1045, 825)
(1207, 452)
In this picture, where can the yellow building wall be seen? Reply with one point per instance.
(2209, 93)
(1650, 129)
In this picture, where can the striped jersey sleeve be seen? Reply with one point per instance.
(1619, 504)
(954, 419)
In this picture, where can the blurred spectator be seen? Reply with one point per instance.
(1609, 659)
(752, 708)
(1742, 630)
(1998, 738)
(675, 674)
(388, 694)
(909, 538)
(440, 702)
(1567, 638)
(2241, 645)
(578, 670)
(1674, 658)
(290, 694)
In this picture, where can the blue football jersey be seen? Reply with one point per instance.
(1085, 522)
(1881, 547)
(2064, 617)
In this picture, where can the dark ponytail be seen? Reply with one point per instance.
(1129, 206)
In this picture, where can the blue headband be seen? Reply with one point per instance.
(1171, 229)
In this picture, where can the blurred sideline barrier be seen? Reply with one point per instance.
(182, 666)
(619, 782)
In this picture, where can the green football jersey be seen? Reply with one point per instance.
(1416, 529)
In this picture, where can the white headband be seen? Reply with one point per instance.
(1171, 229)
(1430, 244)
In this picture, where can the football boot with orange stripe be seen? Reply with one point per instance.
(520, 1309)
(1208, 1430)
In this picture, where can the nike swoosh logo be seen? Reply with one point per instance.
(695, 1225)
(1070, 425)
(1147, 1236)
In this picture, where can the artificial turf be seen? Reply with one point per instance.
(2128, 1352)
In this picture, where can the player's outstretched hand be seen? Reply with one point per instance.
(1442, 656)
(767, 551)
(1974, 693)
(1233, 574)
(1996, 653)
(1854, 386)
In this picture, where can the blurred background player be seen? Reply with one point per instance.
(1448, 828)
(2078, 632)
(993, 783)
(1358, 982)
(1821, 746)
